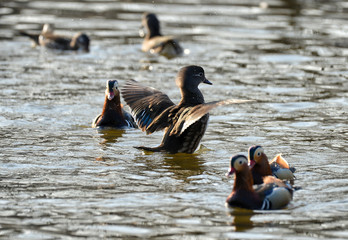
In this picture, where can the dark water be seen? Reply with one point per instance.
(61, 179)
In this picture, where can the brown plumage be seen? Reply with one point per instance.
(154, 42)
(48, 39)
(246, 195)
(260, 166)
(113, 114)
(185, 123)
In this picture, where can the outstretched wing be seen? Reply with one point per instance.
(33, 37)
(146, 103)
(197, 112)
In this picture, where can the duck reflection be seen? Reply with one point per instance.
(182, 165)
(110, 135)
(241, 219)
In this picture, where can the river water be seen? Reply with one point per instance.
(61, 179)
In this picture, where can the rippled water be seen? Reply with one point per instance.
(61, 179)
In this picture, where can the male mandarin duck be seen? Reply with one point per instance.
(155, 42)
(48, 39)
(185, 123)
(113, 114)
(260, 167)
(273, 194)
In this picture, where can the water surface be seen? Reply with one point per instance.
(60, 178)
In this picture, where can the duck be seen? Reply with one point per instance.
(47, 38)
(47, 29)
(184, 124)
(260, 167)
(113, 114)
(154, 42)
(271, 195)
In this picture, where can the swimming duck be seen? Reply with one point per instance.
(154, 42)
(260, 167)
(47, 29)
(185, 123)
(267, 196)
(48, 39)
(113, 114)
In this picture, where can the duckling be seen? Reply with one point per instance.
(113, 114)
(260, 167)
(267, 196)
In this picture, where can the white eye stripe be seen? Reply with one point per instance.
(199, 74)
(239, 162)
(259, 151)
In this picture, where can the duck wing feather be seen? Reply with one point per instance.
(147, 104)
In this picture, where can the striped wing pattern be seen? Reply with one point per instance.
(146, 103)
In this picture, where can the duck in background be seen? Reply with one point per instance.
(185, 123)
(113, 114)
(154, 41)
(47, 29)
(260, 167)
(270, 195)
(47, 38)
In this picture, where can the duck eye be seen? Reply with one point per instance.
(200, 74)
(240, 162)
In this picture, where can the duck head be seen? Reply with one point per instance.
(80, 42)
(190, 77)
(152, 25)
(47, 29)
(112, 89)
(256, 155)
(238, 163)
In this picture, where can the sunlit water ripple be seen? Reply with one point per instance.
(59, 178)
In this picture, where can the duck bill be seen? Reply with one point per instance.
(252, 164)
(207, 81)
(111, 95)
(230, 172)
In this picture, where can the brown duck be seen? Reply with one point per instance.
(184, 124)
(155, 42)
(260, 167)
(267, 196)
(113, 114)
(48, 39)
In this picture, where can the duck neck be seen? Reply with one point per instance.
(112, 106)
(263, 167)
(153, 31)
(243, 180)
(191, 97)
